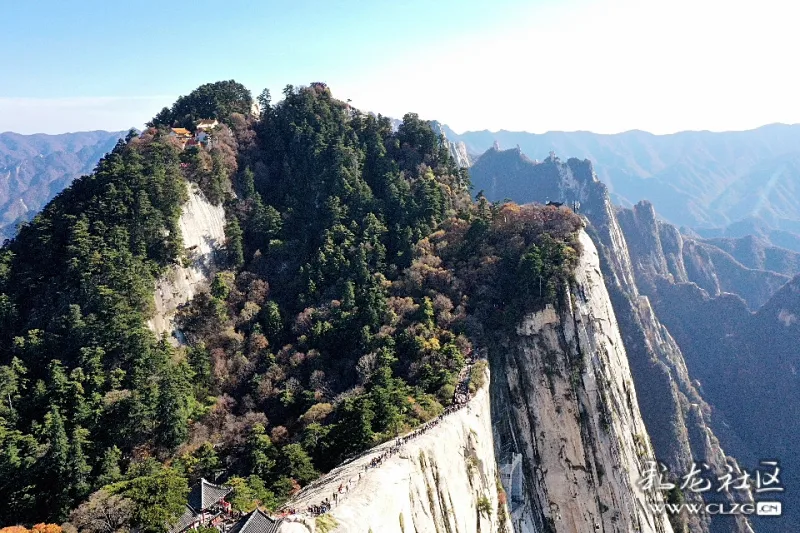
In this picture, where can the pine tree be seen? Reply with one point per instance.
(171, 412)
(234, 244)
(295, 463)
(247, 185)
(158, 498)
(109, 467)
(354, 432)
(260, 452)
(271, 321)
(79, 469)
(56, 464)
(263, 226)
(217, 181)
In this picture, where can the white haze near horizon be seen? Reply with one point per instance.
(605, 67)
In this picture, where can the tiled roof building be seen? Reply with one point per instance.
(204, 494)
(256, 522)
(188, 519)
(206, 501)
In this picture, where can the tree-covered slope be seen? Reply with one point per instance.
(82, 375)
(357, 275)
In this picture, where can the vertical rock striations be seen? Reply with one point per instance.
(564, 396)
(458, 150)
(443, 481)
(203, 230)
(677, 418)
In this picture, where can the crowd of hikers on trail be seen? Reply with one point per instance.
(461, 399)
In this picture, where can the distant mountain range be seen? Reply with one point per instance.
(34, 168)
(697, 179)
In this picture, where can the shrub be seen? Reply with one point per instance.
(477, 376)
(484, 506)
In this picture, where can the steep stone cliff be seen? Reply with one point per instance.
(677, 417)
(458, 150)
(202, 227)
(444, 480)
(564, 438)
(564, 398)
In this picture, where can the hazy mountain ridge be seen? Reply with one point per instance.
(786, 234)
(754, 252)
(34, 168)
(660, 250)
(703, 179)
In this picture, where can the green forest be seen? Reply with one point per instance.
(357, 276)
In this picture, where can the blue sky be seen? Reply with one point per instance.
(604, 66)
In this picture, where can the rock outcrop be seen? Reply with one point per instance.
(564, 398)
(202, 227)
(444, 480)
(458, 150)
(660, 251)
(677, 417)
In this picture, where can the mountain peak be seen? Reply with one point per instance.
(512, 174)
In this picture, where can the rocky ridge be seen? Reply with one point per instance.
(677, 418)
(564, 398)
(443, 480)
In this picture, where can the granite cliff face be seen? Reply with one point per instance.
(457, 148)
(564, 399)
(444, 480)
(202, 227)
(677, 418)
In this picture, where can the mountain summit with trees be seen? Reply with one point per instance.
(357, 277)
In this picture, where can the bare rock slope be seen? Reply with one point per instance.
(202, 227)
(677, 417)
(569, 407)
(444, 480)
